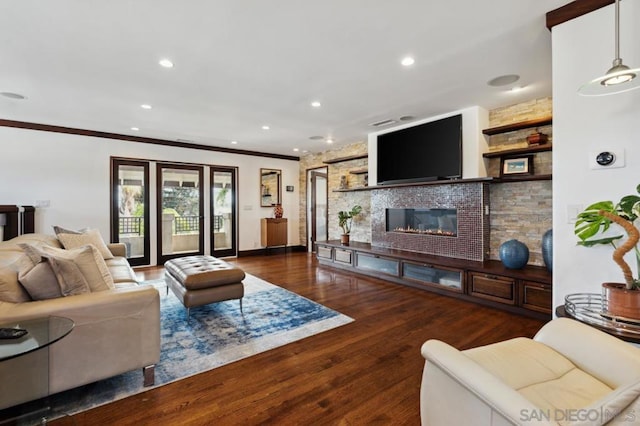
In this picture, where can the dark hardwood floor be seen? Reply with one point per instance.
(366, 372)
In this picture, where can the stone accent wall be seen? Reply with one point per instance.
(361, 229)
(521, 210)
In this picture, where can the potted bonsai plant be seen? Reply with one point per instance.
(618, 299)
(345, 219)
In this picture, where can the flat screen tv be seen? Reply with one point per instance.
(429, 151)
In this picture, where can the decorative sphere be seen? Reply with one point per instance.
(547, 249)
(514, 254)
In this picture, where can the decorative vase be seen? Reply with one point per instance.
(514, 254)
(620, 302)
(277, 211)
(344, 239)
(547, 249)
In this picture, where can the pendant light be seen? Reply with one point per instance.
(619, 78)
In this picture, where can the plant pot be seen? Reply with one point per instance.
(344, 239)
(620, 302)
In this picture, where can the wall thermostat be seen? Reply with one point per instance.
(608, 158)
(605, 158)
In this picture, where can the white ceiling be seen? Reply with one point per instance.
(241, 64)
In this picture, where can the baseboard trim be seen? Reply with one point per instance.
(272, 250)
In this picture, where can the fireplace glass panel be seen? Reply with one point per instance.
(423, 221)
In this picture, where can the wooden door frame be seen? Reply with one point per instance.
(311, 221)
(233, 251)
(200, 169)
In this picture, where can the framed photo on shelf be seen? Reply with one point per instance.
(516, 166)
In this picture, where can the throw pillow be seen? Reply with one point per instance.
(87, 258)
(91, 236)
(70, 278)
(10, 288)
(40, 282)
(60, 230)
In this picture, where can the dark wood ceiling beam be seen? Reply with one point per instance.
(573, 10)
(140, 139)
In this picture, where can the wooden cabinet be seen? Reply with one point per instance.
(536, 296)
(273, 232)
(524, 291)
(493, 287)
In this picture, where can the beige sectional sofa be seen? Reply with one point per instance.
(116, 329)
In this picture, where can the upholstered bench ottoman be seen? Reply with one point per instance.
(200, 280)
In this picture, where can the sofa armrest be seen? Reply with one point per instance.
(593, 351)
(457, 390)
(117, 249)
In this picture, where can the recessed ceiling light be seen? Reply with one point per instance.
(145, 106)
(135, 129)
(234, 142)
(305, 150)
(316, 104)
(407, 118)
(329, 140)
(12, 95)
(166, 63)
(265, 127)
(503, 80)
(316, 138)
(296, 149)
(407, 61)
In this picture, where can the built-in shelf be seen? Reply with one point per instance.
(359, 171)
(343, 159)
(519, 151)
(518, 126)
(522, 178)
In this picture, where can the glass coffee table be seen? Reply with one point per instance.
(40, 334)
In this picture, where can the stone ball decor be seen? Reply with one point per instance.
(514, 254)
(547, 249)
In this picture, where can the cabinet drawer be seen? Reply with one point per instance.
(343, 256)
(536, 296)
(492, 287)
(323, 252)
(377, 263)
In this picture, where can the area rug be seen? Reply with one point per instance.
(213, 335)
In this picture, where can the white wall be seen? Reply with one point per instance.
(72, 172)
(583, 50)
(474, 144)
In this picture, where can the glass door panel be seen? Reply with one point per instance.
(319, 220)
(130, 207)
(180, 211)
(223, 212)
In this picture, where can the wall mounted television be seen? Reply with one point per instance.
(422, 153)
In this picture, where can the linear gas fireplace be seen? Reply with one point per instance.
(441, 222)
(444, 219)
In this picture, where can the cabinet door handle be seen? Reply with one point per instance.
(491, 277)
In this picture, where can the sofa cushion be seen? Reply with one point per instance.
(543, 376)
(87, 258)
(40, 282)
(90, 236)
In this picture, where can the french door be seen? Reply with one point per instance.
(223, 211)
(180, 210)
(130, 208)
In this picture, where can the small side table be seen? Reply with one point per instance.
(619, 333)
(34, 381)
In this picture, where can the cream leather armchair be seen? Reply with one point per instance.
(568, 374)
